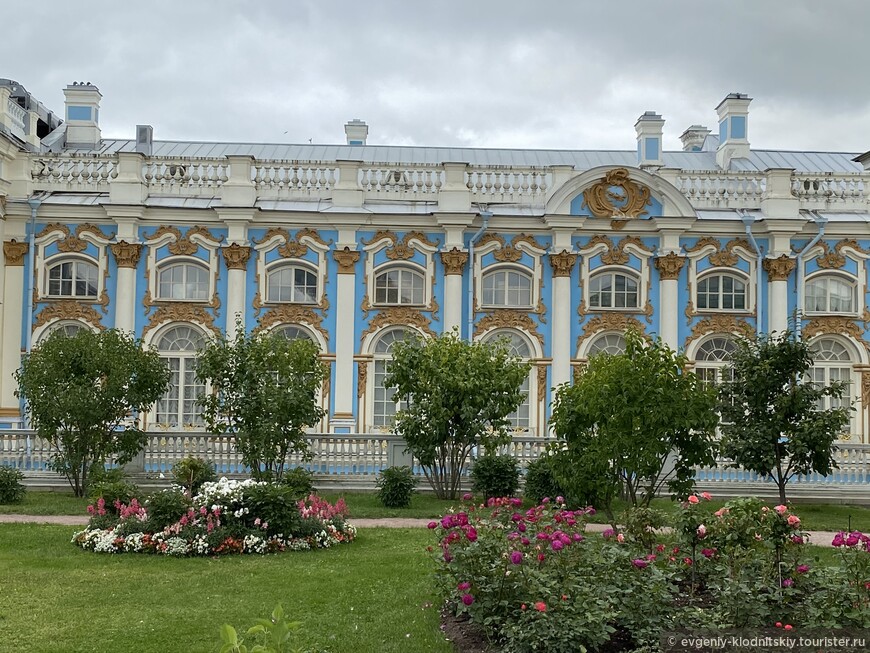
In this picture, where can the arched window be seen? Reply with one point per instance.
(67, 328)
(294, 332)
(829, 294)
(507, 287)
(712, 360)
(721, 292)
(607, 343)
(399, 286)
(613, 290)
(178, 406)
(73, 278)
(292, 283)
(384, 408)
(832, 361)
(188, 281)
(521, 418)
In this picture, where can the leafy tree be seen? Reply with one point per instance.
(773, 420)
(636, 422)
(264, 392)
(457, 397)
(80, 389)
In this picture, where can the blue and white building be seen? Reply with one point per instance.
(357, 245)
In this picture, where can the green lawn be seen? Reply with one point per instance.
(371, 595)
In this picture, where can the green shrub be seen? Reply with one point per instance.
(540, 481)
(300, 480)
(111, 486)
(11, 489)
(495, 476)
(275, 505)
(396, 484)
(273, 635)
(191, 472)
(165, 508)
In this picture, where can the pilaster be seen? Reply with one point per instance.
(346, 258)
(562, 264)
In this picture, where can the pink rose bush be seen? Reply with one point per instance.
(226, 517)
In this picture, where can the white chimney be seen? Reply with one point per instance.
(82, 110)
(649, 129)
(144, 139)
(733, 129)
(693, 138)
(356, 131)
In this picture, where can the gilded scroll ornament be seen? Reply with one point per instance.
(779, 268)
(126, 254)
(236, 256)
(293, 249)
(832, 324)
(454, 261)
(542, 382)
(362, 375)
(508, 254)
(507, 318)
(617, 196)
(14, 252)
(68, 310)
(402, 250)
(720, 324)
(181, 312)
(399, 316)
(865, 388)
(609, 322)
(346, 259)
(669, 266)
(287, 314)
(832, 259)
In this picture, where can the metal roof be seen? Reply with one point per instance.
(410, 155)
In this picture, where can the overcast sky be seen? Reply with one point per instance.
(480, 73)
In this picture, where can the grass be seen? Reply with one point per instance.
(371, 595)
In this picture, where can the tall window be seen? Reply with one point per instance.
(721, 291)
(506, 287)
(607, 343)
(518, 346)
(178, 407)
(73, 279)
(712, 360)
(292, 283)
(829, 294)
(187, 281)
(69, 329)
(831, 362)
(613, 290)
(293, 332)
(399, 286)
(384, 408)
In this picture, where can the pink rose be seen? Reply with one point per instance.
(706, 496)
(702, 530)
(780, 509)
(467, 599)
(793, 520)
(693, 499)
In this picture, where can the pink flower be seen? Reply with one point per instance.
(797, 539)
(706, 496)
(708, 553)
(702, 530)
(640, 564)
(541, 557)
(516, 557)
(788, 626)
(557, 545)
(853, 539)
(432, 525)
(471, 534)
(780, 509)
(560, 499)
(787, 582)
(721, 511)
(523, 607)
(620, 538)
(687, 561)
(257, 521)
(467, 599)
(693, 499)
(607, 533)
(802, 569)
(793, 520)
(839, 539)
(462, 587)
(540, 606)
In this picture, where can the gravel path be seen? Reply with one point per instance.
(819, 538)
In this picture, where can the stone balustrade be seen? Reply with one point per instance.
(16, 118)
(297, 180)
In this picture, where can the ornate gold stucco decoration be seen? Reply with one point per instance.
(605, 200)
(399, 316)
(720, 324)
(542, 382)
(181, 312)
(562, 263)
(14, 252)
(834, 259)
(183, 245)
(832, 324)
(865, 387)
(72, 242)
(725, 256)
(236, 256)
(669, 266)
(362, 375)
(346, 259)
(616, 254)
(287, 314)
(402, 249)
(454, 261)
(126, 254)
(779, 268)
(508, 318)
(68, 310)
(609, 322)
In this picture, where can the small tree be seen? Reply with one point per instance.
(80, 389)
(636, 421)
(264, 392)
(773, 419)
(457, 396)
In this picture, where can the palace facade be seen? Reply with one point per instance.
(355, 245)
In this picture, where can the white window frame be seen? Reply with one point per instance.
(405, 269)
(849, 281)
(613, 272)
(293, 266)
(721, 274)
(57, 261)
(187, 360)
(506, 271)
(530, 382)
(185, 263)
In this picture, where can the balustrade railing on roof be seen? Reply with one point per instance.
(722, 190)
(17, 117)
(831, 189)
(401, 182)
(74, 172)
(293, 179)
(509, 185)
(185, 176)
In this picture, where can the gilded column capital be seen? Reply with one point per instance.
(14, 252)
(236, 256)
(563, 263)
(669, 266)
(778, 268)
(454, 261)
(126, 254)
(346, 259)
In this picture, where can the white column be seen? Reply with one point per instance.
(236, 257)
(454, 263)
(778, 270)
(669, 267)
(346, 258)
(127, 257)
(14, 290)
(562, 265)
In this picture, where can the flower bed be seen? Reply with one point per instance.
(535, 581)
(226, 517)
